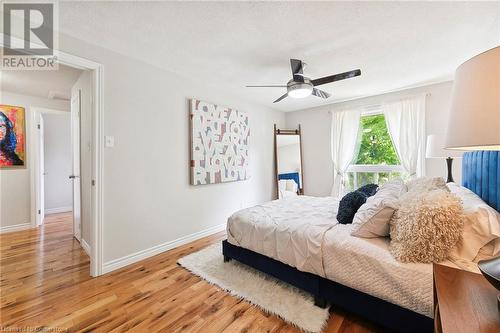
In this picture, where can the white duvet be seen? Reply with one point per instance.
(303, 232)
(289, 230)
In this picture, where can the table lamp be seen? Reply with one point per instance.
(435, 149)
(474, 122)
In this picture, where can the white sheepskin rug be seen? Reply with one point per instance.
(271, 295)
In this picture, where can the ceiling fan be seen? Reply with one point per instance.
(300, 86)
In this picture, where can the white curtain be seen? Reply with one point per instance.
(406, 123)
(345, 127)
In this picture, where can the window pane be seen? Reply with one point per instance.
(375, 145)
(355, 180)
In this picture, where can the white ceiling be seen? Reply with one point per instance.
(41, 83)
(231, 44)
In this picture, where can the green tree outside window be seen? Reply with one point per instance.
(376, 145)
(375, 148)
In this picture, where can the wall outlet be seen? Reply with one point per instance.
(109, 141)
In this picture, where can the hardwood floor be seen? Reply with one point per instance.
(45, 284)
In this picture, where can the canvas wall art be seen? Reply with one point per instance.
(219, 143)
(12, 137)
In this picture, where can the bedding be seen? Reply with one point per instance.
(367, 265)
(303, 232)
(289, 230)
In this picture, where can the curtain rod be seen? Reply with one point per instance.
(370, 107)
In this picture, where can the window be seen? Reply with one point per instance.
(376, 160)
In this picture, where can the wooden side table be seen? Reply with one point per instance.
(464, 302)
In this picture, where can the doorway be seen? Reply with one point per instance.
(94, 154)
(62, 144)
(57, 164)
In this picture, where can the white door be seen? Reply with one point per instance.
(39, 170)
(75, 176)
(42, 171)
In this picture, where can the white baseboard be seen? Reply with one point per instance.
(152, 251)
(15, 227)
(85, 246)
(58, 210)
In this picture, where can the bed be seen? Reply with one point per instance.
(321, 257)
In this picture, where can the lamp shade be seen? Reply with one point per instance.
(435, 147)
(474, 122)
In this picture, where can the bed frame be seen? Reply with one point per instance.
(481, 174)
(325, 292)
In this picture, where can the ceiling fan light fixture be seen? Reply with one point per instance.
(300, 90)
(301, 86)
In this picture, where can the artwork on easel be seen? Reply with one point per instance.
(12, 137)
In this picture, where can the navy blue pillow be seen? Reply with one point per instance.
(351, 202)
(368, 189)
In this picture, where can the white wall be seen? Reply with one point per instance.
(316, 125)
(147, 197)
(57, 158)
(15, 193)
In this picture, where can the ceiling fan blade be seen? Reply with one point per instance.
(296, 65)
(336, 77)
(297, 70)
(282, 97)
(270, 86)
(320, 93)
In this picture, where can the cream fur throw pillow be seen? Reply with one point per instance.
(426, 226)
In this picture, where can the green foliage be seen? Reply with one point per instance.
(376, 144)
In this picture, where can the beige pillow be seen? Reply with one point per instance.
(426, 226)
(373, 217)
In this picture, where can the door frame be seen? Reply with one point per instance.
(96, 225)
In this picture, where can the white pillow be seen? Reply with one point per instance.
(425, 184)
(291, 185)
(282, 184)
(287, 188)
(373, 217)
(482, 225)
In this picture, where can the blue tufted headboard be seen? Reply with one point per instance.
(481, 174)
(292, 175)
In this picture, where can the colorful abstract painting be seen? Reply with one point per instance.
(12, 137)
(219, 144)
